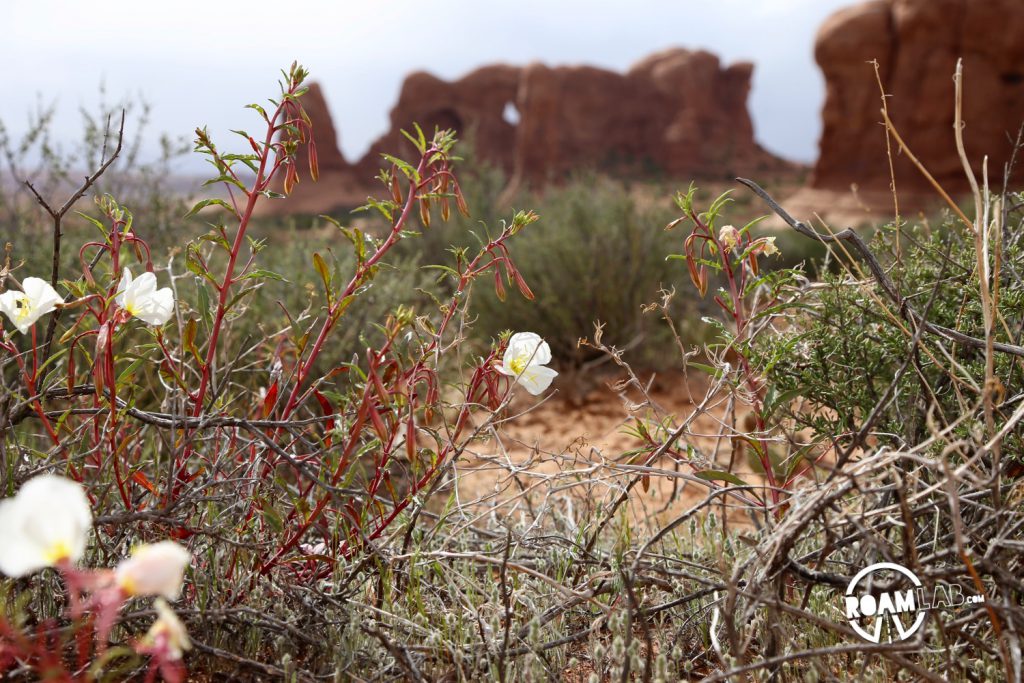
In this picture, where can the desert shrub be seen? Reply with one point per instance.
(294, 288)
(594, 256)
(294, 445)
(279, 432)
(848, 355)
(878, 409)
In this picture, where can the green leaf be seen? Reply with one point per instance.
(126, 374)
(719, 475)
(249, 160)
(225, 178)
(92, 220)
(774, 400)
(386, 207)
(204, 305)
(195, 265)
(403, 165)
(709, 369)
(217, 239)
(202, 204)
(261, 272)
(258, 108)
(420, 141)
(321, 267)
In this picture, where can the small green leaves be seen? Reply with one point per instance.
(385, 207)
(521, 219)
(420, 140)
(262, 112)
(405, 167)
(203, 203)
(195, 263)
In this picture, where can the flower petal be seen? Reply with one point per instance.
(47, 521)
(541, 354)
(42, 297)
(536, 379)
(528, 346)
(144, 285)
(9, 307)
(123, 287)
(154, 569)
(20, 556)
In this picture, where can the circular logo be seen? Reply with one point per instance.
(884, 593)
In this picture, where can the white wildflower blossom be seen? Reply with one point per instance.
(154, 569)
(46, 523)
(142, 299)
(525, 359)
(167, 633)
(25, 308)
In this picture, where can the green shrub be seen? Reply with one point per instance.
(595, 255)
(848, 344)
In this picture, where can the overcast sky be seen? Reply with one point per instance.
(199, 62)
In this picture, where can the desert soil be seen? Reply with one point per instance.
(554, 453)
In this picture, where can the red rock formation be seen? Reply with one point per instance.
(473, 105)
(677, 113)
(329, 156)
(917, 43)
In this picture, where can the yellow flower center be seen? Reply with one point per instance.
(127, 585)
(22, 307)
(518, 364)
(60, 550)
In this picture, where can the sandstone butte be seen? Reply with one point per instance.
(677, 113)
(917, 44)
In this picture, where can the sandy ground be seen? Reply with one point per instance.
(553, 457)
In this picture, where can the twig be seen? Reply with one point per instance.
(58, 217)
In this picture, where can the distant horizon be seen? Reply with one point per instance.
(177, 62)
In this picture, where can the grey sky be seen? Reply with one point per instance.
(198, 62)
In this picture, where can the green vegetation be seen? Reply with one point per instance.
(327, 423)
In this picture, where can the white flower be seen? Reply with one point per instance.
(318, 549)
(142, 299)
(167, 634)
(47, 522)
(154, 569)
(525, 358)
(25, 308)
(729, 236)
(765, 246)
